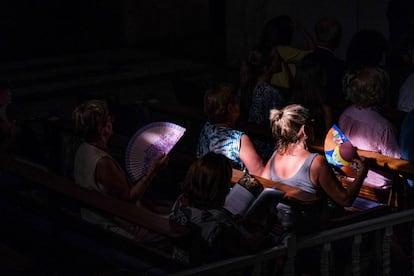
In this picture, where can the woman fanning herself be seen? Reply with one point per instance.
(96, 169)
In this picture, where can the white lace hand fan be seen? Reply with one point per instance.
(147, 144)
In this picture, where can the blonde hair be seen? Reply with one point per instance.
(89, 118)
(286, 124)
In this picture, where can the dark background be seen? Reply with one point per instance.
(30, 28)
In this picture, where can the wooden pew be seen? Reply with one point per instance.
(66, 189)
(403, 167)
(291, 193)
(131, 212)
(180, 161)
(391, 196)
(395, 195)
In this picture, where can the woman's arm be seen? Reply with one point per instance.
(113, 177)
(139, 187)
(249, 156)
(322, 174)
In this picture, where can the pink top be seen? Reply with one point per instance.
(368, 130)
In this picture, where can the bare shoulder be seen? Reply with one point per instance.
(320, 162)
(246, 142)
(319, 159)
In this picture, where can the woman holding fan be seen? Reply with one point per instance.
(96, 169)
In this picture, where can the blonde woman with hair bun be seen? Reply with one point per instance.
(293, 164)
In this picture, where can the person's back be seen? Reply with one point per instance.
(405, 95)
(200, 206)
(264, 96)
(301, 179)
(367, 48)
(364, 125)
(277, 34)
(309, 91)
(293, 164)
(224, 140)
(328, 33)
(86, 159)
(219, 134)
(95, 169)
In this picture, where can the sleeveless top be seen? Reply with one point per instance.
(86, 158)
(224, 140)
(301, 179)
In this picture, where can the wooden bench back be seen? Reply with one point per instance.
(402, 167)
(136, 214)
(393, 195)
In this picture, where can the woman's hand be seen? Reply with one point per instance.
(159, 163)
(361, 167)
(162, 161)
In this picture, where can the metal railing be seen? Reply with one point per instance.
(380, 229)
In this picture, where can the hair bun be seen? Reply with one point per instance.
(276, 114)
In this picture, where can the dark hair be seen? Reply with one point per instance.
(277, 31)
(207, 181)
(89, 118)
(310, 80)
(309, 90)
(366, 48)
(217, 100)
(328, 31)
(257, 60)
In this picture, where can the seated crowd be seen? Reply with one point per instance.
(292, 94)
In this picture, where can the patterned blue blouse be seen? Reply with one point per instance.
(224, 140)
(265, 97)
